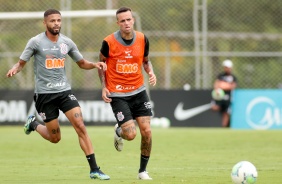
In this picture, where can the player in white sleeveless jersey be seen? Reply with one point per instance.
(52, 89)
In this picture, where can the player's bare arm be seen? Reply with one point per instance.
(233, 85)
(225, 85)
(16, 68)
(216, 84)
(148, 67)
(87, 65)
(101, 73)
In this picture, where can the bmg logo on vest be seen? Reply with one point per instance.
(127, 68)
(256, 109)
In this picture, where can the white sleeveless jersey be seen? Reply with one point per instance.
(49, 62)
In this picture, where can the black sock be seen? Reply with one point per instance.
(34, 125)
(92, 162)
(118, 131)
(143, 163)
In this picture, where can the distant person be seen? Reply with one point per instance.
(125, 52)
(227, 82)
(52, 89)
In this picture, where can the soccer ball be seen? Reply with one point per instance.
(244, 172)
(218, 94)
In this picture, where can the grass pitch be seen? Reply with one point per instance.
(179, 155)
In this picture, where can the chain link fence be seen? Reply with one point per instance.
(189, 39)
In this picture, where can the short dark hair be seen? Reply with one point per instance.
(50, 12)
(123, 9)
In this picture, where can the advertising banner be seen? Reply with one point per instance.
(185, 108)
(176, 108)
(257, 109)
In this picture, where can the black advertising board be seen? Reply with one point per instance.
(185, 108)
(178, 107)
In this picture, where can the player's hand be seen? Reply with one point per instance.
(152, 79)
(105, 94)
(101, 65)
(11, 72)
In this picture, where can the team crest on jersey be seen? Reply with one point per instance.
(120, 116)
(64, 48)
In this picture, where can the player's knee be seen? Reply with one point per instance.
(80, 129)
(131, 136)
(147, 132)
(55, 140)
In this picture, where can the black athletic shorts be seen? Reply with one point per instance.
(48, 105)
(130, 107)
(224, 105)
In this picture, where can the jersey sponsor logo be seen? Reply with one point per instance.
(54, 63)
(45, 49)
(54, 85)
(128, 54)
(127, 68)
(64, 48)
(120, 87)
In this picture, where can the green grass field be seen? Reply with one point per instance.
(179, 155)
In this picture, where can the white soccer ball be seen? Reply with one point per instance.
(244, 172)
(218, 94)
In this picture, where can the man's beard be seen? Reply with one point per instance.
(53, 32)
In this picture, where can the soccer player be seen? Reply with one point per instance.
(227, 82)
(125, 51)
(52, 90)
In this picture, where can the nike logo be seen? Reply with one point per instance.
(45, 49)
(180, 114)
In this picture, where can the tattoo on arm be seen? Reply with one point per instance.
(101, 73)
(102, 77)
(19, 66)
(148, 67)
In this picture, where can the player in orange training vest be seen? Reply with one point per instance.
(125, 51)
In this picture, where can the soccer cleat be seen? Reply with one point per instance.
(143, 176)
(118, 141)
(27, 127)
(99, 175)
